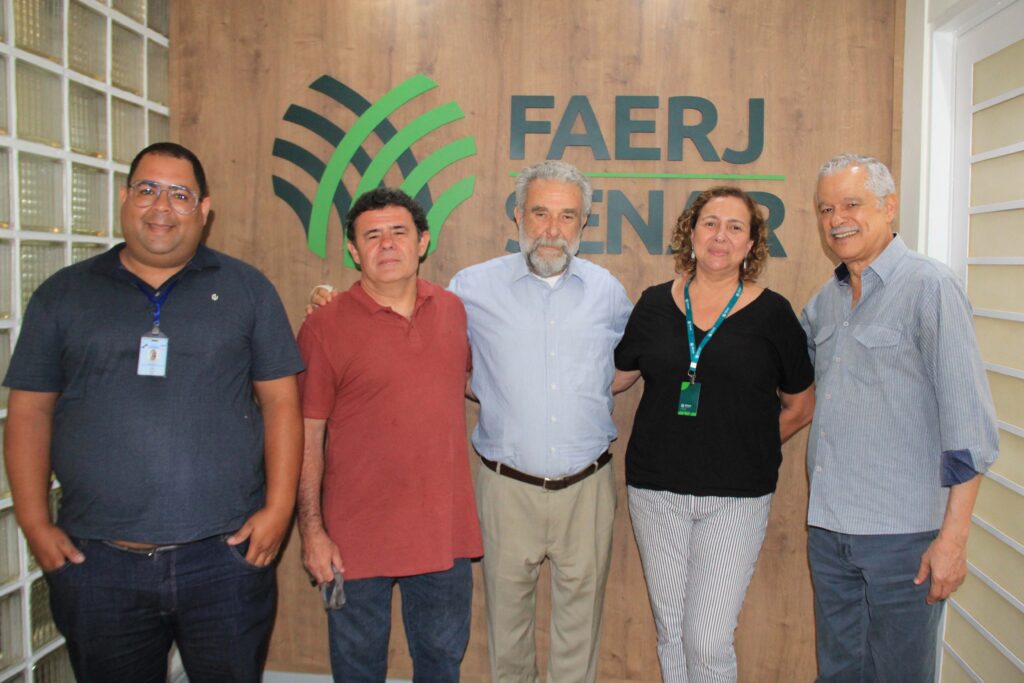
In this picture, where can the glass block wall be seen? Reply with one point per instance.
(83, 86)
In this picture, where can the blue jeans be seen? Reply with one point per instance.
(872, 622)
(120, 610)
(435, 610)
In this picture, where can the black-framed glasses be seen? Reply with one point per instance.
(144, 193)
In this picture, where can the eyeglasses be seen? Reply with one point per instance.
(144, 193)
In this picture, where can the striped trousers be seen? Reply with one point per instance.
(698, 554)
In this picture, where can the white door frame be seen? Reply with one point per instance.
(971, 34)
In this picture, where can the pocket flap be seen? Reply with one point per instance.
(823, 333)
(874, 336)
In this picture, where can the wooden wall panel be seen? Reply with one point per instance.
(825, 70)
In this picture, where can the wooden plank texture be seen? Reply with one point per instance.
(825, 71)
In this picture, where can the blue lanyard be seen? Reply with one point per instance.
(694, 349)
(157, 301)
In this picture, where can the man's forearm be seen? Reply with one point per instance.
(945, 560)
(282, 423)
(27, 455)
(311, 477)
(956, 523)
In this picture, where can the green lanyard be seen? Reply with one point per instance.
(695, 350)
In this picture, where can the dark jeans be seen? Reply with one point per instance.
(120, 611)
(873, 623)
(435, 610)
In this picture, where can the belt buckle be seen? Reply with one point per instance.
(546, 481)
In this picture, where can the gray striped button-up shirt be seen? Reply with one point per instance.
(902, 396)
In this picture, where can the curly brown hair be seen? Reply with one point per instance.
(682, 234)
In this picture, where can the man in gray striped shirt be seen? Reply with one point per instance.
(903, 427)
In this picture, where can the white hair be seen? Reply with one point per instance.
(553, 170)
(879, 181)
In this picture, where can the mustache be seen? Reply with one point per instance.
(542, 242)
(841, 228)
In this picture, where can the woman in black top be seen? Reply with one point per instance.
(719, 399)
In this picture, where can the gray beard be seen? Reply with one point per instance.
(549, 267)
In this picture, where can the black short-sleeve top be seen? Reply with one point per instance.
(732, 446)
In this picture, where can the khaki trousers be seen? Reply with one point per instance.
(522, 526)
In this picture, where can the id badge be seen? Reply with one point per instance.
(153, 354)
(689, 397)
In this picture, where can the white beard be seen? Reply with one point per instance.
(547, 266)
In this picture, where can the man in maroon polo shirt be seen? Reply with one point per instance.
(390, 500)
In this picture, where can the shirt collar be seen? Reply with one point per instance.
(424, 292)
(884, 264)
(109, 262)
(521, 269)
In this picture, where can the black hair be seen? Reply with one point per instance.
(173, 149)
(381, 198)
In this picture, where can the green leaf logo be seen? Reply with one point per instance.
(348, 151)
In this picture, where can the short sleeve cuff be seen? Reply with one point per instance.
(957, 467)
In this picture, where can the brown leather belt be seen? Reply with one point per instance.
(547, 483)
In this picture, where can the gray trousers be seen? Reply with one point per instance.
(698, 554)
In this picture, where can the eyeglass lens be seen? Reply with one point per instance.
(145, 193)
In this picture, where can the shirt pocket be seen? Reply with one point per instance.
(822, 356)
(876, 352)
(823, 334)
(587, 361)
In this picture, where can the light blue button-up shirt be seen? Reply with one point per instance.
(542, 362)
(901, 396)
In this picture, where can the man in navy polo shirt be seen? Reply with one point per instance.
(157, 382)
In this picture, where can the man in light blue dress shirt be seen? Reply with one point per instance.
(542, 327)
(903, 428)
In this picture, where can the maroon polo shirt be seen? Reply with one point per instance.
(397, 491)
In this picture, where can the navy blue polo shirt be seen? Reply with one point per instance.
(155, 459)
